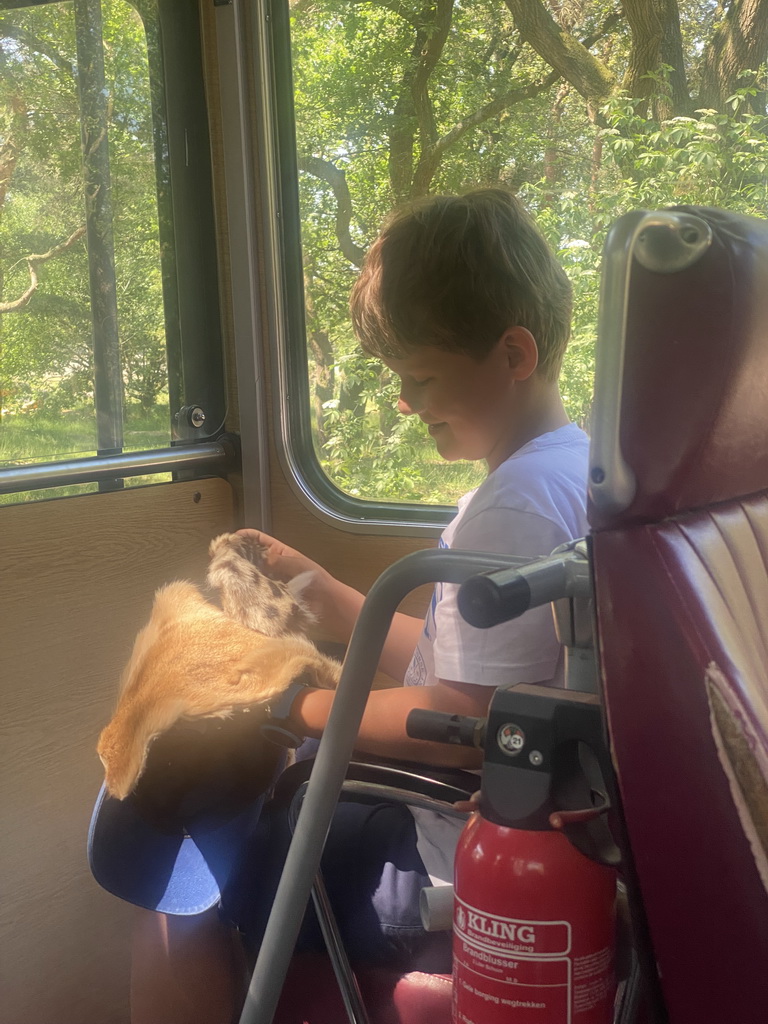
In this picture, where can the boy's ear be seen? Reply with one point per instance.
(521, 351)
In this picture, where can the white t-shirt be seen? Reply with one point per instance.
(532, 503)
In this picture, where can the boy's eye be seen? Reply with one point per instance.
(421, 383)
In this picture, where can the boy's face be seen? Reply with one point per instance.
(467, 405)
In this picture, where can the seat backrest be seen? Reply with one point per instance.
(680, 557)
(694, 387)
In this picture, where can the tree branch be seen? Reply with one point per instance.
(37, 45)
(561, 50)
(33, 262)
(436, 32)
(610, 23)
(413, 110)
(431, 157)
(337, 179)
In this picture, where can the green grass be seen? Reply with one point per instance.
(40, 436)
(425, 479)
(416, 475)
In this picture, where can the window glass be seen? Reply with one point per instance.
(47, 357)
(395, 100)
(91, 302)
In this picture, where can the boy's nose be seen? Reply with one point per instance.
(408, 403)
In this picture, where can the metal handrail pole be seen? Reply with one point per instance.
(345, 977)
(211, 455)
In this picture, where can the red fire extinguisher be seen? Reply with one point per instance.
(534, 916)
(535, 878)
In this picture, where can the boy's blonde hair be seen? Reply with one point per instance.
(456, 272)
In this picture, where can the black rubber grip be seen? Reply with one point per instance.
(440, 727)
(490, 598)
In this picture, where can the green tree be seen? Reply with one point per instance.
(46, 355)
(586, 108)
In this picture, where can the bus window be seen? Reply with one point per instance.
(103, 272)
(392, 101)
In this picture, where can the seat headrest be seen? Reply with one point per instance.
(683, 424)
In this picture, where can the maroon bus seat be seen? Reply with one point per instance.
(681, 597)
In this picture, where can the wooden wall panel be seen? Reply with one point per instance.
(76, 583)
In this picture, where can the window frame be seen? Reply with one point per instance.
(293, 426)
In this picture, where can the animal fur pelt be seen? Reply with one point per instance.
(194, 660)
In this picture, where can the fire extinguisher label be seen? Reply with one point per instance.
(533, 930)
(532, 938)
(504, 964)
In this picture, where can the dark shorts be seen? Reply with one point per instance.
(373, 874)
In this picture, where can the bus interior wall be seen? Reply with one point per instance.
(77, 579)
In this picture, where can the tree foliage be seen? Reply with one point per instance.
(585, 108)
(46, 353)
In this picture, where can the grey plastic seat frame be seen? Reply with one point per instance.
(334, 754)
(549, 579)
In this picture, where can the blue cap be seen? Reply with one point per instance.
(180, 871)
(173, 843)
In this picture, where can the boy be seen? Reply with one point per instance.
(462, 299)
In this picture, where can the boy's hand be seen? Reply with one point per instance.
(282, 561)
(469, 806)
(324, 594)
(335, 604)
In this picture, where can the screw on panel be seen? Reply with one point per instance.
(192, 415)
(536, 758)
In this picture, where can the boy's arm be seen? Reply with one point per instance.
(337, 605)
(341, 607)
(382, 730)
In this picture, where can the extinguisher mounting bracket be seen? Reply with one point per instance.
(546, 766)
